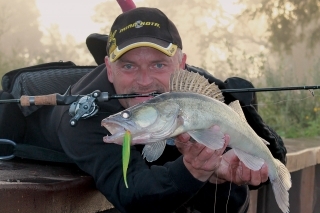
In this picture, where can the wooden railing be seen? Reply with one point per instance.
(303, 162)
(32, 187)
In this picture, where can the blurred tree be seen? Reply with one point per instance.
(105, 13)
(19, 27)
(288, 21)
(19, 34)
(23, 44)
(56, 48)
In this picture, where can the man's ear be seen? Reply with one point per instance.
(109, 70)
(183, 61)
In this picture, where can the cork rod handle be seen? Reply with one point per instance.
(38, 100)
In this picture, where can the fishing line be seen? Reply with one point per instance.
(215, 194)
(229, 193)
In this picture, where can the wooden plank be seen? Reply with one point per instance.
(302, 153)
(303, 159)
(317, 190)
(307, 190)
(30, 186)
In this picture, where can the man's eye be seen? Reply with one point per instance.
(128, 66)
(159, 65)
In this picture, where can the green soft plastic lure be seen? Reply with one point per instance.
(126, 155)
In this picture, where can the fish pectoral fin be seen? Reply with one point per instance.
(212, 138)
(265, 142)
(153, 151)
(252, 162)
(235, 105)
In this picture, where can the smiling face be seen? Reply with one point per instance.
(143, 70)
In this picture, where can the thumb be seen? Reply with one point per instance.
(184, 137)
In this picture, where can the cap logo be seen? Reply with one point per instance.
(172, 50)
(139, 24)
(112, 42)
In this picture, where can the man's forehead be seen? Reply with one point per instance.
(145, 52)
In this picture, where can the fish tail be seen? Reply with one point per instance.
(281, 183)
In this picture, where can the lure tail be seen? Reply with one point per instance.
(126, 155)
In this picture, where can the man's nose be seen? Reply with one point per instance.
(144, 77)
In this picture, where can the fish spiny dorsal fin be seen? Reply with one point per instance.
(185, 81)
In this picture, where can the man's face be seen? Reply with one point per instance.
(142, 70)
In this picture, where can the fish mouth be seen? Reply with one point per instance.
(116, 130)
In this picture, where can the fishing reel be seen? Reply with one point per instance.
(84, 108)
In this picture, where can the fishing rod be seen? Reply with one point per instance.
(81, 106)
(67, 98)
(85, 106)
(270, 89)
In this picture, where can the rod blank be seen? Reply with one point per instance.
(270, 89)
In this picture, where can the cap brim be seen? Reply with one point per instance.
(163, 46)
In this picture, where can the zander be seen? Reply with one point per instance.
(193, 106)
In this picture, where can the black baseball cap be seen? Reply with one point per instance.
(142, 27)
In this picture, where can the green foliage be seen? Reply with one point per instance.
(292, 114)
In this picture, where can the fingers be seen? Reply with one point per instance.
(182, 143)
(251, 177)
(200, 160)
(207, 164)
(184, 137)
(233, 170)
(199, 155)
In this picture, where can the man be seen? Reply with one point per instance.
(144, 48)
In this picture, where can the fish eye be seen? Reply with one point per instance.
(126, 114)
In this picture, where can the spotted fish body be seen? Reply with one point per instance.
(193, 106)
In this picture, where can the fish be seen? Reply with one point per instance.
(193, 105)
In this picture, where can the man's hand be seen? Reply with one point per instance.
(233, 170)
(200, 160)
(207, 164)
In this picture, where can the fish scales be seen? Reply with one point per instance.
(197, 113)
(181, 110)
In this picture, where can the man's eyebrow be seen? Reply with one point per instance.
(122, 60)
(158, 60)
(161, 60)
